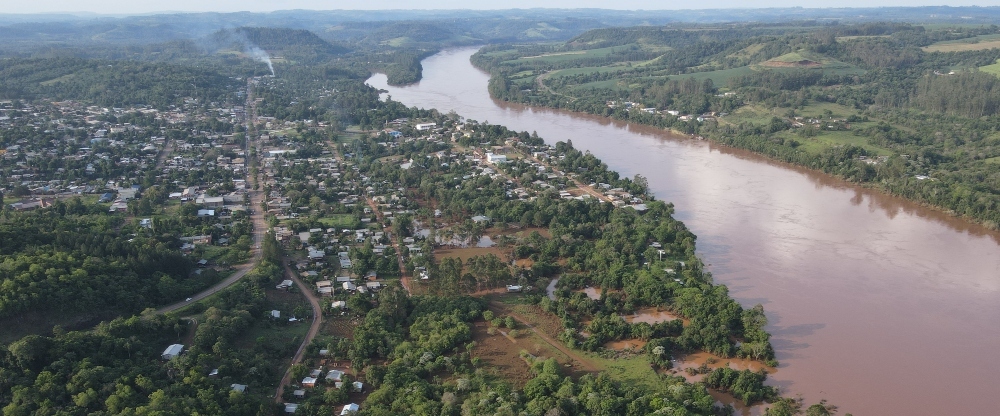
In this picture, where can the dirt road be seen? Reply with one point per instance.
(584, 363)
(317, 322)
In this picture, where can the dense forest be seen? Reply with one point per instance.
(69, 259)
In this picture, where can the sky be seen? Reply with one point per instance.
(146, 6)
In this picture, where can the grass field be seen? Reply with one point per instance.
(584, 70)
(802, 56)
(816, 109)
(823, 140)
(634, 370)
(560, 57)
(827, 139)
(747, 51)
(338, 221)
(66, 77)
(609, 84)
(991, 69)
(749, 114)
(977, 43)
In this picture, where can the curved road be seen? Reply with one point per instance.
(259, 227)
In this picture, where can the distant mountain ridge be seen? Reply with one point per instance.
(478, 25)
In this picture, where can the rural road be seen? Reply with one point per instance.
(259, 228)
(313, 329)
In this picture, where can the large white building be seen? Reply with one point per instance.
(172, 351)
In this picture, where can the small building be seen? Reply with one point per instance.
(335, 375)
(242, 388)
(338, 304)
(309, 382)
(495, 158)
(172, 351)
(358, 386)
(425, 126)
(291, 407)
(299, 393)
(275, 314)
(285, 284)
(350, 287)
(212, 201)
(350, 409)
(513, 288)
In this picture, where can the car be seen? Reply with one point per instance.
(187, 300)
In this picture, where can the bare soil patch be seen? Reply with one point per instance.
(467, 253)
(501, 354)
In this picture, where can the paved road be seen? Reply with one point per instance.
(259, 225)
(313, 329)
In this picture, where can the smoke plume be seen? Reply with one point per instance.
(260, 55)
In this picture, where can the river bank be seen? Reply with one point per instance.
(857, 285)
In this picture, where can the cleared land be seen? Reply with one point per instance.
(972, 44)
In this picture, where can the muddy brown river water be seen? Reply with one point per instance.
(876, 304)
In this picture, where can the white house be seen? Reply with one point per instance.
(350, 409)
(425, 126)
(335, 375)
(172, 351)
(495, 158)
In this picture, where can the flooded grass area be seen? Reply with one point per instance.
(626, 344)
(632, 370)
(698, 360)
(651, 316)
(591, 292)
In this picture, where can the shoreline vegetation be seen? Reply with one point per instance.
(825, 106)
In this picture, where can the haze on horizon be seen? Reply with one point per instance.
(119, 7)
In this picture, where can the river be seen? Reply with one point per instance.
(876, 304)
